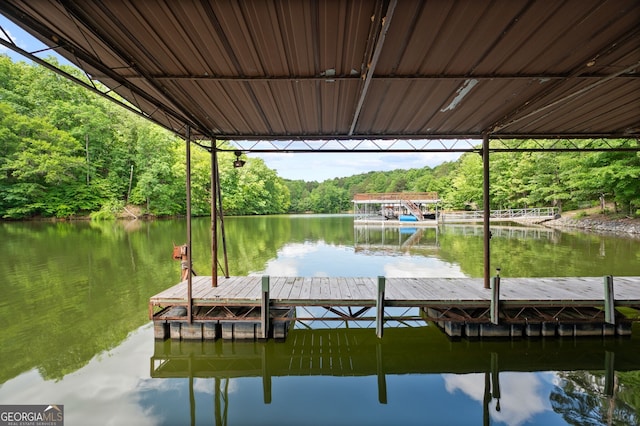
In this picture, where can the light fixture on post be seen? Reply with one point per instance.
(238, 162)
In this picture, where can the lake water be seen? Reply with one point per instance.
(75, 330)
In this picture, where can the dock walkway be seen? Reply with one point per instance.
(460, 305)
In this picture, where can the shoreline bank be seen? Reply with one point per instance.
(598, 223)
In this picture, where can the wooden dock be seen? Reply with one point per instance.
(262, 307)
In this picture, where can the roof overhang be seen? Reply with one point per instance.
(371, 70)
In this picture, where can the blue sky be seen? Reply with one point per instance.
(320, 166)
(23, 41)
(305, 166)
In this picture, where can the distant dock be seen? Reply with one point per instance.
(254, 307)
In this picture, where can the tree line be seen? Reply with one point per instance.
(66, 152)
(567, 180)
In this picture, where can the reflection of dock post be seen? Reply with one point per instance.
(382, 379)
(264, 312)
(266, 377)
(491, 389)
(192, 395)
(221, 397)
(609, 373)
(486, 400)
(495, 379)
(380, 307)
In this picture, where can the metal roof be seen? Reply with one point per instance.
(358, 70)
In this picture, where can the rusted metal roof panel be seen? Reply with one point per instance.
(358, 69)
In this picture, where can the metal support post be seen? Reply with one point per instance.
(189, 256)
(486, 206)
(214, 214)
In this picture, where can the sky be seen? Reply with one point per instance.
(322, 166)
(300, 166)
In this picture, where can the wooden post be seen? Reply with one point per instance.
(495, 300)
(264, 313)
(609, 301)
(380, 307)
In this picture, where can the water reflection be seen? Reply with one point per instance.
(373, 239)
(502, 377)
(74, 296)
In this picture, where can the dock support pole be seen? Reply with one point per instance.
(189, 253)
(214, 214)
(495, 300)
(380, 307)
(264, 312)
(609, 301)
(486, 206)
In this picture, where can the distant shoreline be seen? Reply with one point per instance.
(601, 223)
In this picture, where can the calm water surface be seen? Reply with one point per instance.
(75, 330)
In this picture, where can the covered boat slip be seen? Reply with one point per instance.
(406, 207)
(377, 76)
(387, 76)
(513, 307)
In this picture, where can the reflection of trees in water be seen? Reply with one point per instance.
(581, 400)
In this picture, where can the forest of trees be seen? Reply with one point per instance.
(566, 180)
(67, 152)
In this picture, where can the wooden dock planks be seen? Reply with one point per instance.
(418, 292)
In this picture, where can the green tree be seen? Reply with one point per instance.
(158, 186)
(252, 189)
(36, 158)
(329, 198)
(467, 183)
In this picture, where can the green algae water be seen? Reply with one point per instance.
(75, 330)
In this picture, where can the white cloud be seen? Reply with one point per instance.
(408, 268)
(322, 166)
(26, 42)
(110, 397)
(520, 397)
(3, 36)
(286, 263)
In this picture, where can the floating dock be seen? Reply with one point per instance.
(254, 307)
